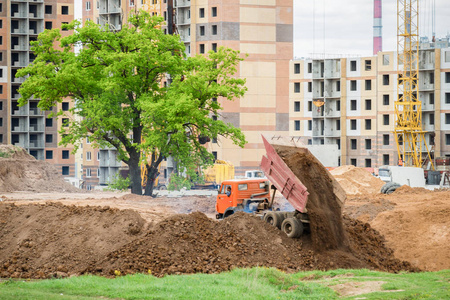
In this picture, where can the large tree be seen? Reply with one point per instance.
(135, 90)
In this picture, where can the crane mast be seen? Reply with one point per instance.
(408, 132)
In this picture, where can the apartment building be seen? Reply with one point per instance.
(28, 126)
(263, 30)
(350, 102)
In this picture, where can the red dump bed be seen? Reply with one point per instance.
(281, 176)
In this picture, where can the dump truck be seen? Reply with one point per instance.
(253, 195)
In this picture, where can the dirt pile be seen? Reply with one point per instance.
(418, 229)
(41, 241)
(324, 207)
(414, 222)
(357, 180)
(20, 171)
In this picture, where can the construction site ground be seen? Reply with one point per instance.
(49, 233)
(414, 222)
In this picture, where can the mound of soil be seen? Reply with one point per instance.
(406, 189)
(357, 180)
(20, 171)
(42, 241)
(368, 208)
(418, 229)
(323, 206)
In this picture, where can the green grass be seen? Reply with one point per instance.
(255, 283)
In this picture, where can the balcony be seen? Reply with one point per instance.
(183, 3)
(21, 111)
(35, 111)
(20, 14)
(36, 144)
(18, 80)
(20, 128)
(20, 47)
(36, 128)
(19, 31)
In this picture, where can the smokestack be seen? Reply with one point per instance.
(377, 35)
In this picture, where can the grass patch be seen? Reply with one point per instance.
(6, 153)
(255, 283)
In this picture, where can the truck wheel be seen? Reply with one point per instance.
(386, 186)
(392, 188)
(162, 188)
(274, 219)
(228, 212)
(292, 227)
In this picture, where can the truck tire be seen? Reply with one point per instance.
(387, 186)
(392, 188)
(274, 218)
(292, 227)
(228, 212)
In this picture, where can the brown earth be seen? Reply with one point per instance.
(414, 221)
(101, 240)
(356, 180)
(95, 233)
(20, 171)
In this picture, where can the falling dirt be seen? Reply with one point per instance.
(324, 208)
(20, 171)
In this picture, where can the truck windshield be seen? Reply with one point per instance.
(223, 190)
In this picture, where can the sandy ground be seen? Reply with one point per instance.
(414, 222)
(151, 209)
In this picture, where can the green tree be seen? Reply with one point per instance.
(116, 82)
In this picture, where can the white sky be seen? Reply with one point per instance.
(346, 26)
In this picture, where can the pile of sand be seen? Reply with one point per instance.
(20, 171)
(357, 180)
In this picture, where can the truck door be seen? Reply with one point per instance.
(223, 201)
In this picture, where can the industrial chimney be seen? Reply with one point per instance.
(377, 35)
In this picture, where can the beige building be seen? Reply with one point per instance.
(358, 113)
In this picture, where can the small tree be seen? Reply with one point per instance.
(117, 84)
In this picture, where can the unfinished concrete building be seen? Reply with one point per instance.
(350, 102)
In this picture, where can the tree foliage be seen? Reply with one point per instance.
(125, 98)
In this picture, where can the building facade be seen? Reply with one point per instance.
(28, 126)
(350, 102)
(263, 32)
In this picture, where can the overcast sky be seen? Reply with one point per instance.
(346, 26)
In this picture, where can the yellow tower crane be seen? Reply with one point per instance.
(408, 132)
(154, 7)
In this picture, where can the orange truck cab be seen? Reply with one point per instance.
(249, 195)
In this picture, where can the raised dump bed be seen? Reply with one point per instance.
(313, 192)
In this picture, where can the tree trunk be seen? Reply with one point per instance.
(135, 175)
(152, 173)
